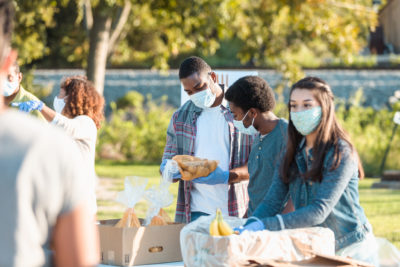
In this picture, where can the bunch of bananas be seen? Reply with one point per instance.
(218, 227)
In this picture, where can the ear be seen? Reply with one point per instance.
(20, 77)
(213, 76)
(253, 112)
(9, 60)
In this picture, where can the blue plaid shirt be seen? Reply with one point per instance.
(181, 135)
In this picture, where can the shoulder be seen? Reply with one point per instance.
(27, 95)
(185, 110)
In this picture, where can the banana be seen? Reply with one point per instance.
(214, 227)
(223, 227)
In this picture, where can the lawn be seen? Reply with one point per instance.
(382, 206)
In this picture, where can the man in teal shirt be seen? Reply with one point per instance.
(13, 91)
(251, 101)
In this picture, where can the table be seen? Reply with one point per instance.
(173, 264)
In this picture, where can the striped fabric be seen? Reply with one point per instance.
(181, 135)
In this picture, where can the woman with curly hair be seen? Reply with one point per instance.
(78, 109)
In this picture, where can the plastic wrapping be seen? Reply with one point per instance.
(200, 249)
(192, 167)
(171, 170)
(132, 193)
(158, 197)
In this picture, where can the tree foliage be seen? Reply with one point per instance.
(285, 34)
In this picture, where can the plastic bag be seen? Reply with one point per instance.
(171, 171)
(132, 193)
(158, 197)
(389, 255)
(200, 249)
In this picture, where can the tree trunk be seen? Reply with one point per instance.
(98, 50)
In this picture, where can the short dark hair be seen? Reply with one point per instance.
(16, 66)
(192, 65)
(6, 26)
(251, 92)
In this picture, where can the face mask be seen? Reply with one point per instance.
(306, 121)
(9, 87)
(58, 104)
(240, 126)
(203, 99)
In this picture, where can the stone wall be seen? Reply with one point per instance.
(378, 85)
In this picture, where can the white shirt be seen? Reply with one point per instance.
(83, 130)
(212, 142)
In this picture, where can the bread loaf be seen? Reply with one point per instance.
(192, 167)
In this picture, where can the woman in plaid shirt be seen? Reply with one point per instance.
(203, 127)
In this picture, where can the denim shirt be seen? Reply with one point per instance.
(332, 203)
(264, 156)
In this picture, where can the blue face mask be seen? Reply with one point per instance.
(306, 121)
(9, 87)
(203, 99)
(240, 126)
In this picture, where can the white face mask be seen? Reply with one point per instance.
(58, 104)
(9, 87)
(203, 99)
(240, 126)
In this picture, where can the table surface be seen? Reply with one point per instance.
(174, 264)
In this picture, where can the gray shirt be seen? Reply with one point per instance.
(41, 178)
(264, 154)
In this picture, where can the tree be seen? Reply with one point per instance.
(277, 33)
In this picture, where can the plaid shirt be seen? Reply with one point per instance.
(181, 135)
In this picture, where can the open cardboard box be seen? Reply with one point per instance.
(143, 245)
(314, 261)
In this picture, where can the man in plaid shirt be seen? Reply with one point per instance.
(203, 127)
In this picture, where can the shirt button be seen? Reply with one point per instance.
(259, 148)
(257, 157)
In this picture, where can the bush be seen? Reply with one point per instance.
(136, 129)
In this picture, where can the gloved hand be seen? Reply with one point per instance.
(28, 106)
(253, 224)
(175, 175)
(216, 177)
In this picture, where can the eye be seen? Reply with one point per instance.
(292, 106)
(307, 105)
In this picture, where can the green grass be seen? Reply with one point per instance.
(382, 206)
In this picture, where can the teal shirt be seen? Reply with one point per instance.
(264, 154)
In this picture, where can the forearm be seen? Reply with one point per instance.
(48, 113)
(239, 174)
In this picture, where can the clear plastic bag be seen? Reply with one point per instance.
(158, 197)
(171, 171)
(132, 193)
(376, 251)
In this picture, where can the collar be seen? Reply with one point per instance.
(19, 96)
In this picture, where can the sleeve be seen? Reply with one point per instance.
(81, 127)
(333, 184)
(171, 147)
(274, 199)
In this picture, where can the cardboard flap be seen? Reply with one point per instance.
(316, 260)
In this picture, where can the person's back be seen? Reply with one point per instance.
(41, 181)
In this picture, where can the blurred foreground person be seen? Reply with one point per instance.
(320, 172)
(79, 111)
(43, 193)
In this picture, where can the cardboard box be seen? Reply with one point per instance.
(143, 245)
(317, 260)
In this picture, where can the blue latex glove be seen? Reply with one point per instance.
(253, 224)
(176, 175)
(28, 106)
(216, 177)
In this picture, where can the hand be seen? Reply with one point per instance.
(253, 224)
(216, 177)
(28, 106)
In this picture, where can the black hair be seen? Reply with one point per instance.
(192, 65)
(251, 92)
(6, 26)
